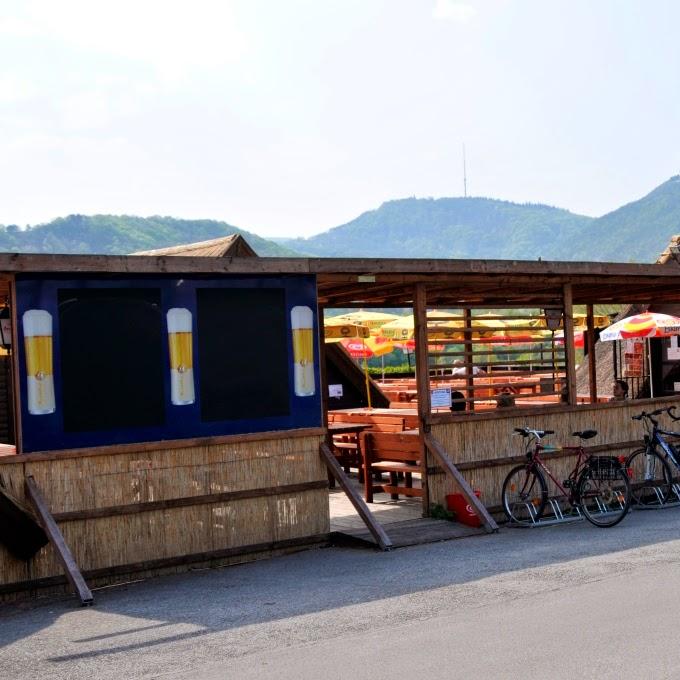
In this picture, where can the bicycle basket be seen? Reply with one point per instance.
(605, 468)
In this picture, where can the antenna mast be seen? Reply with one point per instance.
(464, 174)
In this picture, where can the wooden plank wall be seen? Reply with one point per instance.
(480, 445)
(143, 511)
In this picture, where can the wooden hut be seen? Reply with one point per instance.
(169, 410)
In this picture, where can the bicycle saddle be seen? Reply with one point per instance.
(585, 434)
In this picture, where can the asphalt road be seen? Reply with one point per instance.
(563, 602)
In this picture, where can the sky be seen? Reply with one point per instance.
(290, 117)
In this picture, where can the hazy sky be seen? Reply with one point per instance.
(288, 117)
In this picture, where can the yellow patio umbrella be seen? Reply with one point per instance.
(335, 329)
(374, 320)
(403, 328)
(580, 321)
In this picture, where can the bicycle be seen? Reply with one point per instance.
(651, 474)
(598, 486)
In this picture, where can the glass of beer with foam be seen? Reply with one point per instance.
(181, 356)
(38, 345)
(302, 323)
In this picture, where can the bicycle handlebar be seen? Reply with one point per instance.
(526, 431)
(658, 412)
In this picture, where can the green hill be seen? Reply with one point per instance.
(488, 228)
(121, 234)
(450, 228)
(636, 232)
(476, 228)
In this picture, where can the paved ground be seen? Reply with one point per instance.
(562, 602)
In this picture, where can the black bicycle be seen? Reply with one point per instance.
(651, 467)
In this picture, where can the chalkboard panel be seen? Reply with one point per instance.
(243, 353)
(111, 351)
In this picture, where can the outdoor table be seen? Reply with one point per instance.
(348, 429)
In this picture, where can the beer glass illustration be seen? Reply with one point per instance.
(302, 323)
(38, 346)
(181, 359)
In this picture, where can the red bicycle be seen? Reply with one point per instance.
(598, 486)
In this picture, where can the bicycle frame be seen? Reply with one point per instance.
(654, 435)
(535, 459)
(656, 438)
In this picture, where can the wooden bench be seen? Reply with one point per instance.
(394, 453)
(347, 447)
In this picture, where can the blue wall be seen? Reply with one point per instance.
(47, 432)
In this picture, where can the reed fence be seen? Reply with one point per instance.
(484, 448)
(151, 510)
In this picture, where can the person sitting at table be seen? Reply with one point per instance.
(620, 390)
(457, 402)
(459, 368)
(505, 399)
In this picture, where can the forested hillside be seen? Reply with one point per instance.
(488, 228)
(120, 234)
(450, 227)
(426, 228)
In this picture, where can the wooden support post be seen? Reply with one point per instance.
(569, 353)
(422, 382)
(444, 461)
(469, 357)
(592, 364)
(381, 538)
(322, 368)
(58, 543)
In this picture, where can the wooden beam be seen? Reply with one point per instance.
(143, 447)
(468, 340)
(592, 362)
(188, 501)
(422, 382)
(58, 543)
(446, 463)
(378, 533)
(131, 264)
(570, 354)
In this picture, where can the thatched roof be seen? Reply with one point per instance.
(225, 246)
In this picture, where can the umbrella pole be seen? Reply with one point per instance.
(649, 361)
(368, 385)
(382, 363)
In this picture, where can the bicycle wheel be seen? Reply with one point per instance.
(525, 494)
(604, 502)
(650, 477)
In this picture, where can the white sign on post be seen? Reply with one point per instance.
(335, 391)
(440, 397)
(673, 349)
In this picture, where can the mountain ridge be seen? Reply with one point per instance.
(462, 227)
(124, 234)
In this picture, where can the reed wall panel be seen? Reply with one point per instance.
(75, 484)
(470, 440)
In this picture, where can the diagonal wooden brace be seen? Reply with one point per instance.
(381, 538)
(443, 459)
(58, 543)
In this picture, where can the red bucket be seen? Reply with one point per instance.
(465, 514)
